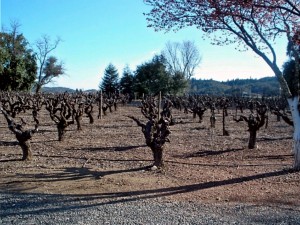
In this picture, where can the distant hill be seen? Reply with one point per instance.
(267, 86)
(57, 90)
(62, 90)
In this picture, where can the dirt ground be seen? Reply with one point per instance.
(110, 159)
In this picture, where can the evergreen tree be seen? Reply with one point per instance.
(290, 67)
(179, 83)
(127, 82)
(152, 77)
(289, 73)
(17, 62)
(109, 83)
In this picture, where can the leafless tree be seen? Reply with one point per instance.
(182, 57)
(49, 67)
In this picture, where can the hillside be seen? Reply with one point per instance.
(57, 89)
(267, 86)
(62, 90)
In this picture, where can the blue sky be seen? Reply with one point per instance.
(98, 32)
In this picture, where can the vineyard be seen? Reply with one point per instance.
(103, 154)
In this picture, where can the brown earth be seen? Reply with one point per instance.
(110, 159)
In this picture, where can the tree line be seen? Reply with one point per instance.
(167, 72)
(28, 66)
(150, 78)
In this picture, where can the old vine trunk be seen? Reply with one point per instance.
(293, 103)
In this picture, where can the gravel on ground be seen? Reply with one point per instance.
(35, 209)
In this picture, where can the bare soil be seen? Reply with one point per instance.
(110, 159)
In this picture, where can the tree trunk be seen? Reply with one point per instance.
(24, 142)
(27, 153)
(200, 116)
(78, 122)
(38, 88)
(91, 118)
(157, 156)
(252, 139)
(225, 132)
(89, 111)
(278, 118)
(100, 106)
(61, 133)
(293, 103)
(213, 121)
(297, 154)
(61, 129)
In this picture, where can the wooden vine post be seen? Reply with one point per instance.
(159, 106)
(101, 104)
(100, 109)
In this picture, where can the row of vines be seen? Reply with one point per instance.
(68, 109)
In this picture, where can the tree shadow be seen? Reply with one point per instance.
(10, 160)
(260, 139)
(199, 128)
(112, 149)
(75, 173)
(211, 152)
(94, 158)
(76, 201)
(122, 126)
(9, 143)
(274, 157)
(127, 148)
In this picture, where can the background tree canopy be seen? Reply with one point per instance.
(152, 77)
(127, 82)
(17, 62)
(22, 68)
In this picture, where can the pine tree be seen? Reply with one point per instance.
(127, 82)
(110, 83)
